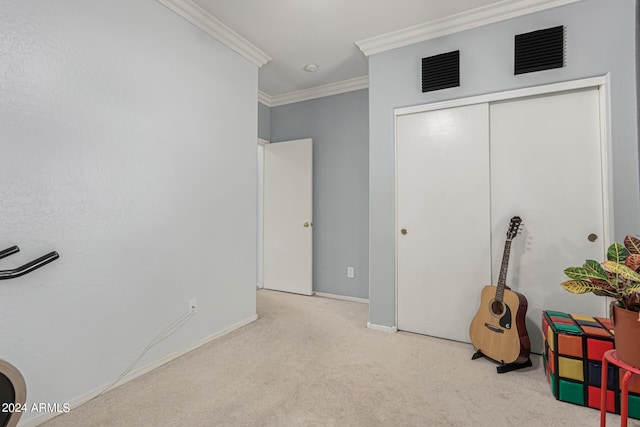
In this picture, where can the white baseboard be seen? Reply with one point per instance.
(388, 329)
(342, 297)
(82, 399)
(260, 285)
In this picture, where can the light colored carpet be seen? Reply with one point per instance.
(311, 361)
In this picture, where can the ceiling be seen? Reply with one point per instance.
(323, 32)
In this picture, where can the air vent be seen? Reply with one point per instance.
(539, 50)
(441, 71)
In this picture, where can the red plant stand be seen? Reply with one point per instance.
(611, 357)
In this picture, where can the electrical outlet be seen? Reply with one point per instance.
(193, 305)
(351, 273)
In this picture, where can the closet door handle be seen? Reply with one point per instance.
(403, 231)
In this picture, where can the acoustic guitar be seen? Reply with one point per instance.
(498, 329)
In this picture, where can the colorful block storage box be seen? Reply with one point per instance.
(573, 348)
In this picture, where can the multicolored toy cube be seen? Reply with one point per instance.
(573, 348)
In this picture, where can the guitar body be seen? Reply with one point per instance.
(498, 329)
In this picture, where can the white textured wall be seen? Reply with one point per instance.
(127, 144)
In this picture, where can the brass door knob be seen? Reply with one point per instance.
(307, 224)
(592, 237)
(403, 231)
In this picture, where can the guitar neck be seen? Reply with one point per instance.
(502, 280)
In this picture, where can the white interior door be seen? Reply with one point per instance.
(443, 207)
(546, 166)
(288, 216)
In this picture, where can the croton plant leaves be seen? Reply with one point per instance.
(632, 288)
(580, 286)
(590, 270)
(633, 261)
(632, 244)
(617, 253)
(622, 270)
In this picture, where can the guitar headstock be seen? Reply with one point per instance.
(514, 227)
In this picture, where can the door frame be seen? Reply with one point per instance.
(599, 82)
(260, 214)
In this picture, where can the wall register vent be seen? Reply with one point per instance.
(539, 50)
(441, 71)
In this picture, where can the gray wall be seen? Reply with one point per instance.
(600, 39)
(129, 146)
(264, 122)
(339, 127)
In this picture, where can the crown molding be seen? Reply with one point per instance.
(264, 98)
(500, 11)
(212, 26)
(314, 92)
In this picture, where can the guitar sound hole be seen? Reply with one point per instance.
(497, 308)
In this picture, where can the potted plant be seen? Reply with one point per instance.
(616, 278)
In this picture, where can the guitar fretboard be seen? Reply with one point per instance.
(502, 280)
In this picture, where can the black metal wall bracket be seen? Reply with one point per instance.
(9, 251)
(26, 268)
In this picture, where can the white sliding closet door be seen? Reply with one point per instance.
(443, 235)
(546, 167)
